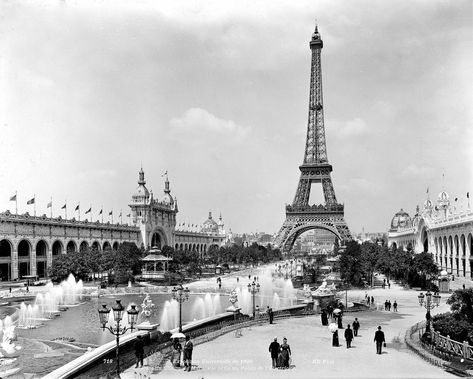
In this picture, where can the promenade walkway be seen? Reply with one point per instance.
(313, 354)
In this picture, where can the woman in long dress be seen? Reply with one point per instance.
(335, 339)
(284, 355)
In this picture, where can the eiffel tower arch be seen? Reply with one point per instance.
(315, 169)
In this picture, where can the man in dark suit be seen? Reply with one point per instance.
(348, 336)
(274, 350)
(379, 339)
(139, 351)
(356, 326)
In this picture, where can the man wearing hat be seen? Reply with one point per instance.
(379, 339)
(274, 350)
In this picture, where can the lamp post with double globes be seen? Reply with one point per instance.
(431, 301)
(180, 294)
(253, 289)
(117, 330)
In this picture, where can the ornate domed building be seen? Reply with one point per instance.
(443, 229)
(401, 220)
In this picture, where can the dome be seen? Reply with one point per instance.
(167, 199)
(443, 196)
(209, 225)
(428, 204)
(401, 220)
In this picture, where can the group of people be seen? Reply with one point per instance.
(280, 354)
(369, 299)
(387, 305)
(176, 354)
(349, 334)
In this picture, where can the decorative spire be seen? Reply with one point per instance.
(210, 215)
(166, 183)
(141, 180)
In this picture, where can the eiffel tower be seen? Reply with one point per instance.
(300, 215)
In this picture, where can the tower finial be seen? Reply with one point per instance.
(316, 26)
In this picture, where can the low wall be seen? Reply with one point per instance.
(91, 364)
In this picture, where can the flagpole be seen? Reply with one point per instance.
(65, 210)
(34, 204)
(16, 203)
(51, 207)
(121, 216)
(112, 216)
(102, 214)
(78, 210)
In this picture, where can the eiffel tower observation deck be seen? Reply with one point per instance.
(315, 169)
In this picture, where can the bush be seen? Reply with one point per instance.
(453, 325)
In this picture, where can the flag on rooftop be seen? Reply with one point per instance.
(64, 206)
(100, 212)
(31, 201)
(77, 208)
(88, 211)
(50, 204)
(13, 198)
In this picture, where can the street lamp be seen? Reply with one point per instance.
(292, 274)
(431, 301)
(180, 294)
(118, 330)
(253, 289)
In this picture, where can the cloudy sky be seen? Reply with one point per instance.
(216, 93)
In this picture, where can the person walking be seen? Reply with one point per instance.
(335, 342)
(324, 318)
(379, 339)
(139, 351)
(389, 305)
(339, 321)
(356, 326)
(395, 306)
(330, 311)
(285, 354)
(274, 350)
(270, 315)
(348, 336)
(176, 353)
(372, 300)
(188, 347)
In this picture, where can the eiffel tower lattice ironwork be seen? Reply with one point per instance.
(301, 216)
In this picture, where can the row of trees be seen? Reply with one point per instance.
(193, 262)
(121, 264)
(359, 262)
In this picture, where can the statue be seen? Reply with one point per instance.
(148, 309)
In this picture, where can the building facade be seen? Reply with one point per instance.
(29, 244)
(442, 229)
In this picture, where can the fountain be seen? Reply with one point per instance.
(48, 305)
(8, 347)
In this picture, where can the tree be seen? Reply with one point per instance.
(370, 253)
(461, 302)
(351, 269)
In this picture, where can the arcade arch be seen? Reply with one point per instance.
(5, 260)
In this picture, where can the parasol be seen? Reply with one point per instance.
(333, 327)
(178, 335)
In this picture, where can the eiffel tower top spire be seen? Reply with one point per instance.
(315, 150)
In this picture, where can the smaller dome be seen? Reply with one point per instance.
(428, 204)
(443, 196)
(401, 220)
(167, 199)
(209, 225)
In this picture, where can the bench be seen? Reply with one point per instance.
(460, 366)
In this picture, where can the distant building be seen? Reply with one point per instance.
(444, 229)
(29, 244)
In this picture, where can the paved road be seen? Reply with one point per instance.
(313, 355)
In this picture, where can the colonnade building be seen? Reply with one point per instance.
(29, 244)
(443, 229)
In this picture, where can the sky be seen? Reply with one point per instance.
(216, 93)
